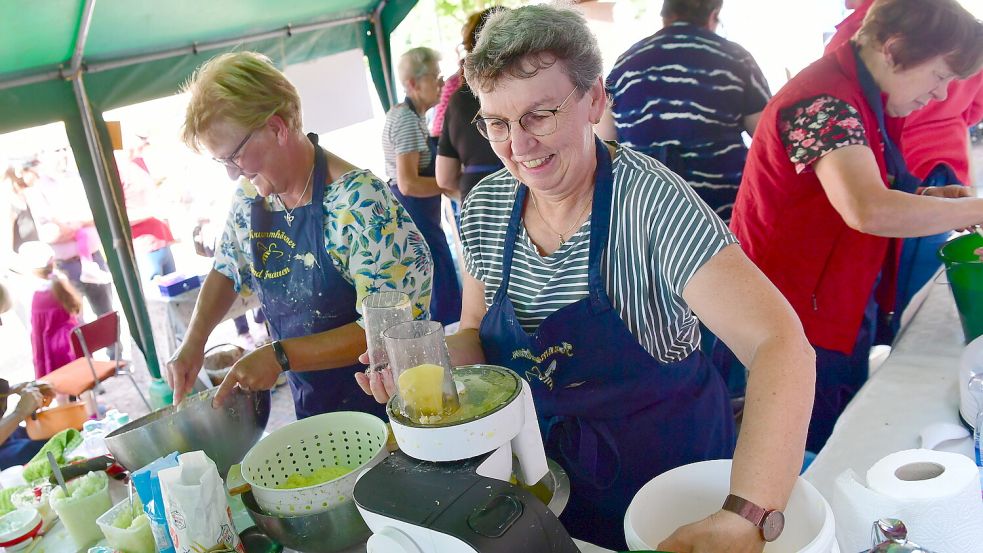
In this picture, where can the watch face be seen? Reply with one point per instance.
(772, 525)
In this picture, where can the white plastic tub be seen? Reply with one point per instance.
(691, 492)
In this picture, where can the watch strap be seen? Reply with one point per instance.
(281, 355)
(770, 522)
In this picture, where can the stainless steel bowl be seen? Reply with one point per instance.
(556, 484)
(333, 531)
(225, 434)
(255, 541)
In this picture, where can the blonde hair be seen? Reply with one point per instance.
(242, 87)
(416, 62)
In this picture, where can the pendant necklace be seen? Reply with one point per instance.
(560, 235)
(288, 214)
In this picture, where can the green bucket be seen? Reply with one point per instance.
(964, 271)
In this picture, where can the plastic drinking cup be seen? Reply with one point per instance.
(379, 312)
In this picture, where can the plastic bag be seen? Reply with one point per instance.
(196, 506)
(147, 484)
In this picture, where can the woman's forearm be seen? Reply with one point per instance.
(777, 409)
(418, 187)
(331, 349)
(465, 348)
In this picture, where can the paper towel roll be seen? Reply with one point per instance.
(935, 493)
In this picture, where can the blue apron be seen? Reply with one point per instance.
(918, 260)
(302, 294)
(612, 415)
(445, 297)
(18, 449)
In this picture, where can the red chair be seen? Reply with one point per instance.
(85, 373)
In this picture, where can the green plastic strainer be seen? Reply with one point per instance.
(341, 439)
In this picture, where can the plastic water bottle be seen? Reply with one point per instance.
(160, 393)
(976, 389)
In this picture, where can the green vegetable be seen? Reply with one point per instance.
(319, 476)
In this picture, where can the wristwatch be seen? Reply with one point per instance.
(771, 523)
(281, 355)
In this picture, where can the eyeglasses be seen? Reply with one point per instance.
(538, 122)
(230, 160)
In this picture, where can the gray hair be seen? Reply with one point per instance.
(416, 62)
(513, 42)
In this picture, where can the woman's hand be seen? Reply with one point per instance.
(376, 383)
(257, 370)
(949, 191)
(721, 531)
(31, 399)
(182, 368)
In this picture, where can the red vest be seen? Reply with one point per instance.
(788, 227)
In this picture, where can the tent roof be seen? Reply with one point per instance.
(136, 50)
(72, 60)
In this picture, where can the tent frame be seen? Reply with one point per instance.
(89, 138)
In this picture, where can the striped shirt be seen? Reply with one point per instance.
(681, 96)
(405, 131)
(661, 234)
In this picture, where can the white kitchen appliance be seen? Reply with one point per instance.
(449, 489)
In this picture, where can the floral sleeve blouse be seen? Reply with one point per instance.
(367, 233)
(816, 126)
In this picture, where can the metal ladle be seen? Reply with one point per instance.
(892, 529)
(895, 534)
(57, 472)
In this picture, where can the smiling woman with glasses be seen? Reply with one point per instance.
(308, 232)
(587, 266)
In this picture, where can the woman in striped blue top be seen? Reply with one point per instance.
(587, 265)
(410, 154)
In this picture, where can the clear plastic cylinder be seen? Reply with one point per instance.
(379, 312)
(421, 368)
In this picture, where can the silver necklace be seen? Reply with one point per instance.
(288, 214)
(559, 235)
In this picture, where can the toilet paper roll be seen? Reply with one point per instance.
(935, 493)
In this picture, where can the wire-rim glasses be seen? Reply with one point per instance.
(230, 160)
(538, 122)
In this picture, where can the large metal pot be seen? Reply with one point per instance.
(224, 434)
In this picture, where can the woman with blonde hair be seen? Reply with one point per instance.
(307, 231)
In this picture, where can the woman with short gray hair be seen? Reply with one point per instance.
(409, 153)
(587, 267)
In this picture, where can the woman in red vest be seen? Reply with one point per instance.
(825, 190)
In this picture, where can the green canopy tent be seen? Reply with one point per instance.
(72, 60)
